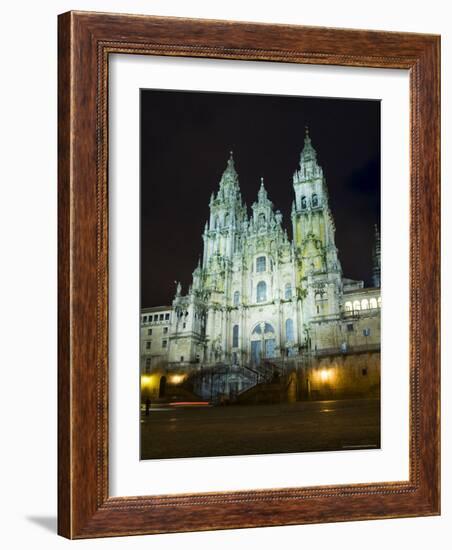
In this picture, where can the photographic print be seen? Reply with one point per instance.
(260, 274)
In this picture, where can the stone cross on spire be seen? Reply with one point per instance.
(230, 165)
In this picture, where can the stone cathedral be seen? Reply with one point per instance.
(258, 297)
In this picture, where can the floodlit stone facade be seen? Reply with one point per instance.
(258, 296)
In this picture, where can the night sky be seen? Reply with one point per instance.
(185, 142)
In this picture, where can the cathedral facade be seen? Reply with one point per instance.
(256, 294)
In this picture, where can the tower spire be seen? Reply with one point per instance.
(376, 275)
(230, 176)
(262, 196)
(308, 153)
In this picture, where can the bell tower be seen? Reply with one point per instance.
(227, 213)
(318, 272)
(312, 222)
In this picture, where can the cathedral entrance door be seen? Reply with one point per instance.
(256, 351)
(263, 342)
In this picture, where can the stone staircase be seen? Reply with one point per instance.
(228, 383)
(267, 392)
(179, 393)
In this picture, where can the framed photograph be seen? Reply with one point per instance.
(248, 275)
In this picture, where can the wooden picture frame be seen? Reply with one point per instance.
(86, 40)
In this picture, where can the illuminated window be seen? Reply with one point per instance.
(373, 303)
(348, 306)
(288, 291)
(357, 305)
(261, 292)
(364, 304)
(236, 298)
(261, 264)
(379, 301)
(235, 336)
(289, 330)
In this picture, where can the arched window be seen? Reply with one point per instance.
(288, 291)
(315, 200)
(261, 219)
(257, 330)
(235, 336)
(379, 301)
(261, 264)
(226, 219)
(348, 306)
(373, 303)
(261, 292)
(263, 342)
(364, 304)
(216, 223)
(357, 305)
(289, 330)
(236, 298)
(303, 202)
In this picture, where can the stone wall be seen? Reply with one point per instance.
(340, 376)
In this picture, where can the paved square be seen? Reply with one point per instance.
(176, 432)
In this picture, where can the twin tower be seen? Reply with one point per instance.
(229, 233)
(256, 294)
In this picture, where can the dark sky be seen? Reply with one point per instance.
(185, 142)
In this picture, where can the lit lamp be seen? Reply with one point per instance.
(145, 381)
(177, 378)
(145, 387)
(324, 375)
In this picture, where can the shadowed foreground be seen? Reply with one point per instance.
(177, 432)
